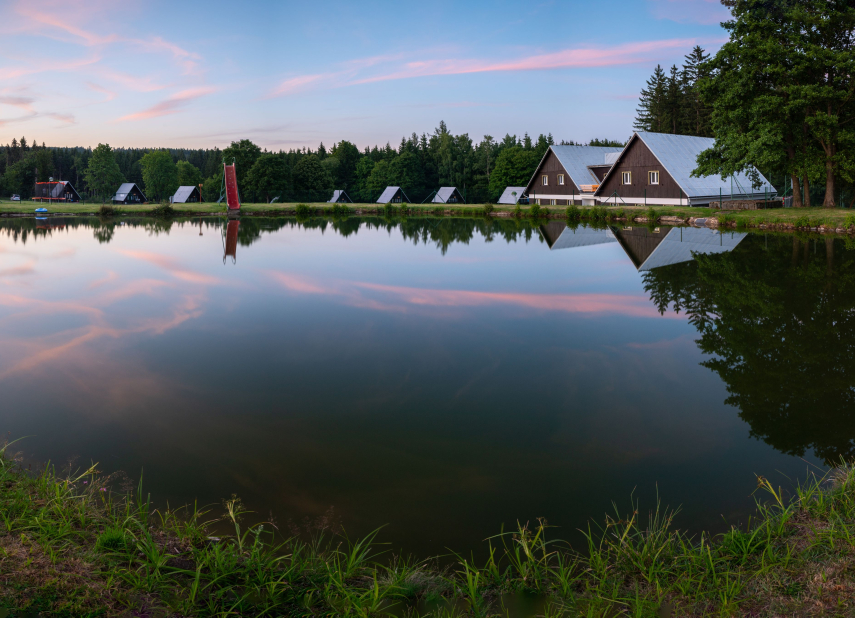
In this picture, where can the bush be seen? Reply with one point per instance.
(340, 210)
(534, 211)
(164, 210)
(404, 210)
(651, 215)
(802, 221)
(112, 539)
(598, 213)
(303, 210)
(389, 210)
(573, 213)
(106, 210)
(517, 211)
(850, 221)
(488, 208)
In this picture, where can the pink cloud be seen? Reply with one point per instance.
(24, 103)
(402, 299)
(110, 94)
(296, 84)
(707, 12)
(172, 105)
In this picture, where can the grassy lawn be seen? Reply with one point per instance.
(72, 544)
(800, 218)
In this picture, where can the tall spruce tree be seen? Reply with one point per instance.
(652, 102)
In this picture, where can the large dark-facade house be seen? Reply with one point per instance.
(447, 195)
(55, 191)
(658, 247)
(656, 168)
(570, 175)
(188, 194)
(513, 195)
(393, 195)
(129, 193)
(339, 196)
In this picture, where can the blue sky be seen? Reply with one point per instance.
(291, 74)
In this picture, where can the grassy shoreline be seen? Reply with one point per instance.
(71, 546)
(835, 220)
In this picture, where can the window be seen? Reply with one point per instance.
(653, 178)
(560, 179)
(626, 178)
(544, 180)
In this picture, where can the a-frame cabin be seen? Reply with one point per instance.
(570, 174)
(656, 168)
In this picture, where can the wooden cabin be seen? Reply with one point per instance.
(448, 195)
(569, 175)
(188, 194)
(513, 195)
(55, 191)
(656, 168)
(129, 193)
(393, 195)
(340, 197)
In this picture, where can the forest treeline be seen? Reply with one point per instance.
(420, 165)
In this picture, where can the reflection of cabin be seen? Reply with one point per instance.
(514, 195)
(55, 191)
(559, 235)
(129, 193)
(392, 195)
(188, 194)
(340, 197)
(656, 168)
(448, 195)
(570, 174)
(649, 249)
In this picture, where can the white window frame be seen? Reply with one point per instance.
(561, 179)
(650, 177)
(544, 181)
(624, 176)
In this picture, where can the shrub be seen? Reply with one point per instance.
(404, 210)
(112, 539)
(534, 211)
(107, 210)
(164, 210)
(651, 215)
(389, 210)
(802, 221)
(573, 213)
(517, 211)
(488, 208)
(850, 221)
(340, 210)
(303, 210)
(598, 213)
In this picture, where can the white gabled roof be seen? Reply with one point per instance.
(508, 195)
(336, 196)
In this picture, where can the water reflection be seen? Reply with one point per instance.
(445, 376)
(776, 317)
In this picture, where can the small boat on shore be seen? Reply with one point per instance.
(41, 210)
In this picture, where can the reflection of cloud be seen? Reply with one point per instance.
(172, 267)
(402, 299)
(16, 271)
(111, 276)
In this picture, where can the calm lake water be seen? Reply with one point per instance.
(444, 377)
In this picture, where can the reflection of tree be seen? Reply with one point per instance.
(777, 316)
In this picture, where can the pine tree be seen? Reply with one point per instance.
(651, 103)
(696, 114)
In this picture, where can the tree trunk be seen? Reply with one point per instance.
(806, 185)
(828, 202)
(797, 192)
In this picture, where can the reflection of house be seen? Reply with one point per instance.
(649, 249)
(340, 197)
(656, 168)
(559, 235)
(447, 195)
(129, 193)
(570, 174)
(512, 195)
(392, 195)
(187, 195)
(55, 191)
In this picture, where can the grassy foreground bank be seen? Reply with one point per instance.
(837, 220)
(69, 546)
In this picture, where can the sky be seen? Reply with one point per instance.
(289, 74)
